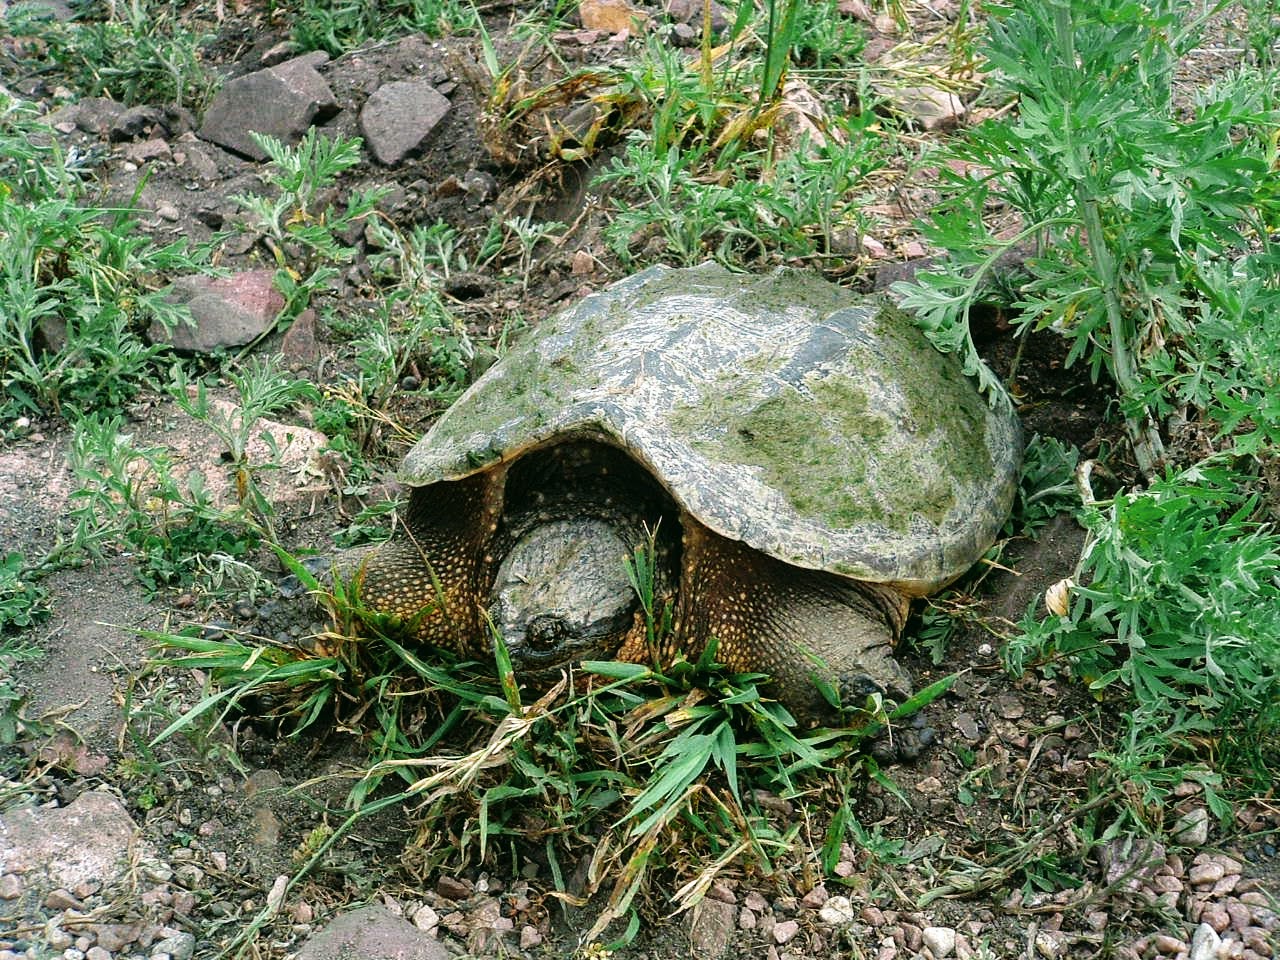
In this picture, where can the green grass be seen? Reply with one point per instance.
(337, 27)
(80, 283)
(144, 54)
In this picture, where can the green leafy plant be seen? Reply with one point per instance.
(339, 27)
(141, 52)
(1046, 485)
(22, 599)
(128, 499)
(79, 283)
(262, 389)
(1179, 612)
(794, 207)
(1129, 204)
(302, 229)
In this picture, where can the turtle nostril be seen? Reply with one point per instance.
(546, 631)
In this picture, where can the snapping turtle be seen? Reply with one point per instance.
(801, 461)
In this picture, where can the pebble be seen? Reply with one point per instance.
(815, 898)
(451, 888)
(941, 941)
(529, 937)
(10, 887)
(837, 910)
(56, 937)
(1204, 943)
(424, 918)
(167, 211)
(97, 953)
(1192, 828)
(62, 900)
(1167, 944)
(1204, 874)
(785, 931)
(180, 946)
(1216, 917)
(747, 919)
(1049, 944)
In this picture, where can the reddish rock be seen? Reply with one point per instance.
(225, 311)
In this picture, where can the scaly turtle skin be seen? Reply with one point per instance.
(808, 460)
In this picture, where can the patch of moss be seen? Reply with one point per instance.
(894, 431)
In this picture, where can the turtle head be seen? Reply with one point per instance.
(561, 593)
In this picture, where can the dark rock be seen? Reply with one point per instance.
(281, 101)
(399, 117)
(225, 311)
(372, 933)
(135, 122)
(466, 286)
(97, 115)
(691, 12)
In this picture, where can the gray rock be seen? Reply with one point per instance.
(180, 946)
(197, 163)
(281, 101)
(1204, 943)
(399, 117)
(372, 933)
(153, 149)
(941, 941)
(96, 115)
(225, 311)
(134, 122)
(712, 926)
(89, 839)
(1192, 828)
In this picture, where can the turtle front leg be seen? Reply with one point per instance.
(796, 625)
(433, 574)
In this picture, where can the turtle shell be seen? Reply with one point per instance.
(813, 424)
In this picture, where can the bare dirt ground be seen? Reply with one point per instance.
(232, 813)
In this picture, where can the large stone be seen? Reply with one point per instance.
(399, 117)
(372, 933)
(282, 102)
(712, 927)
(225, 311)
(90, 839)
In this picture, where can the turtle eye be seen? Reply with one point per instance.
(546, 632)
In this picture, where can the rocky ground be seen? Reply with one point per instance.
(112, 847)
